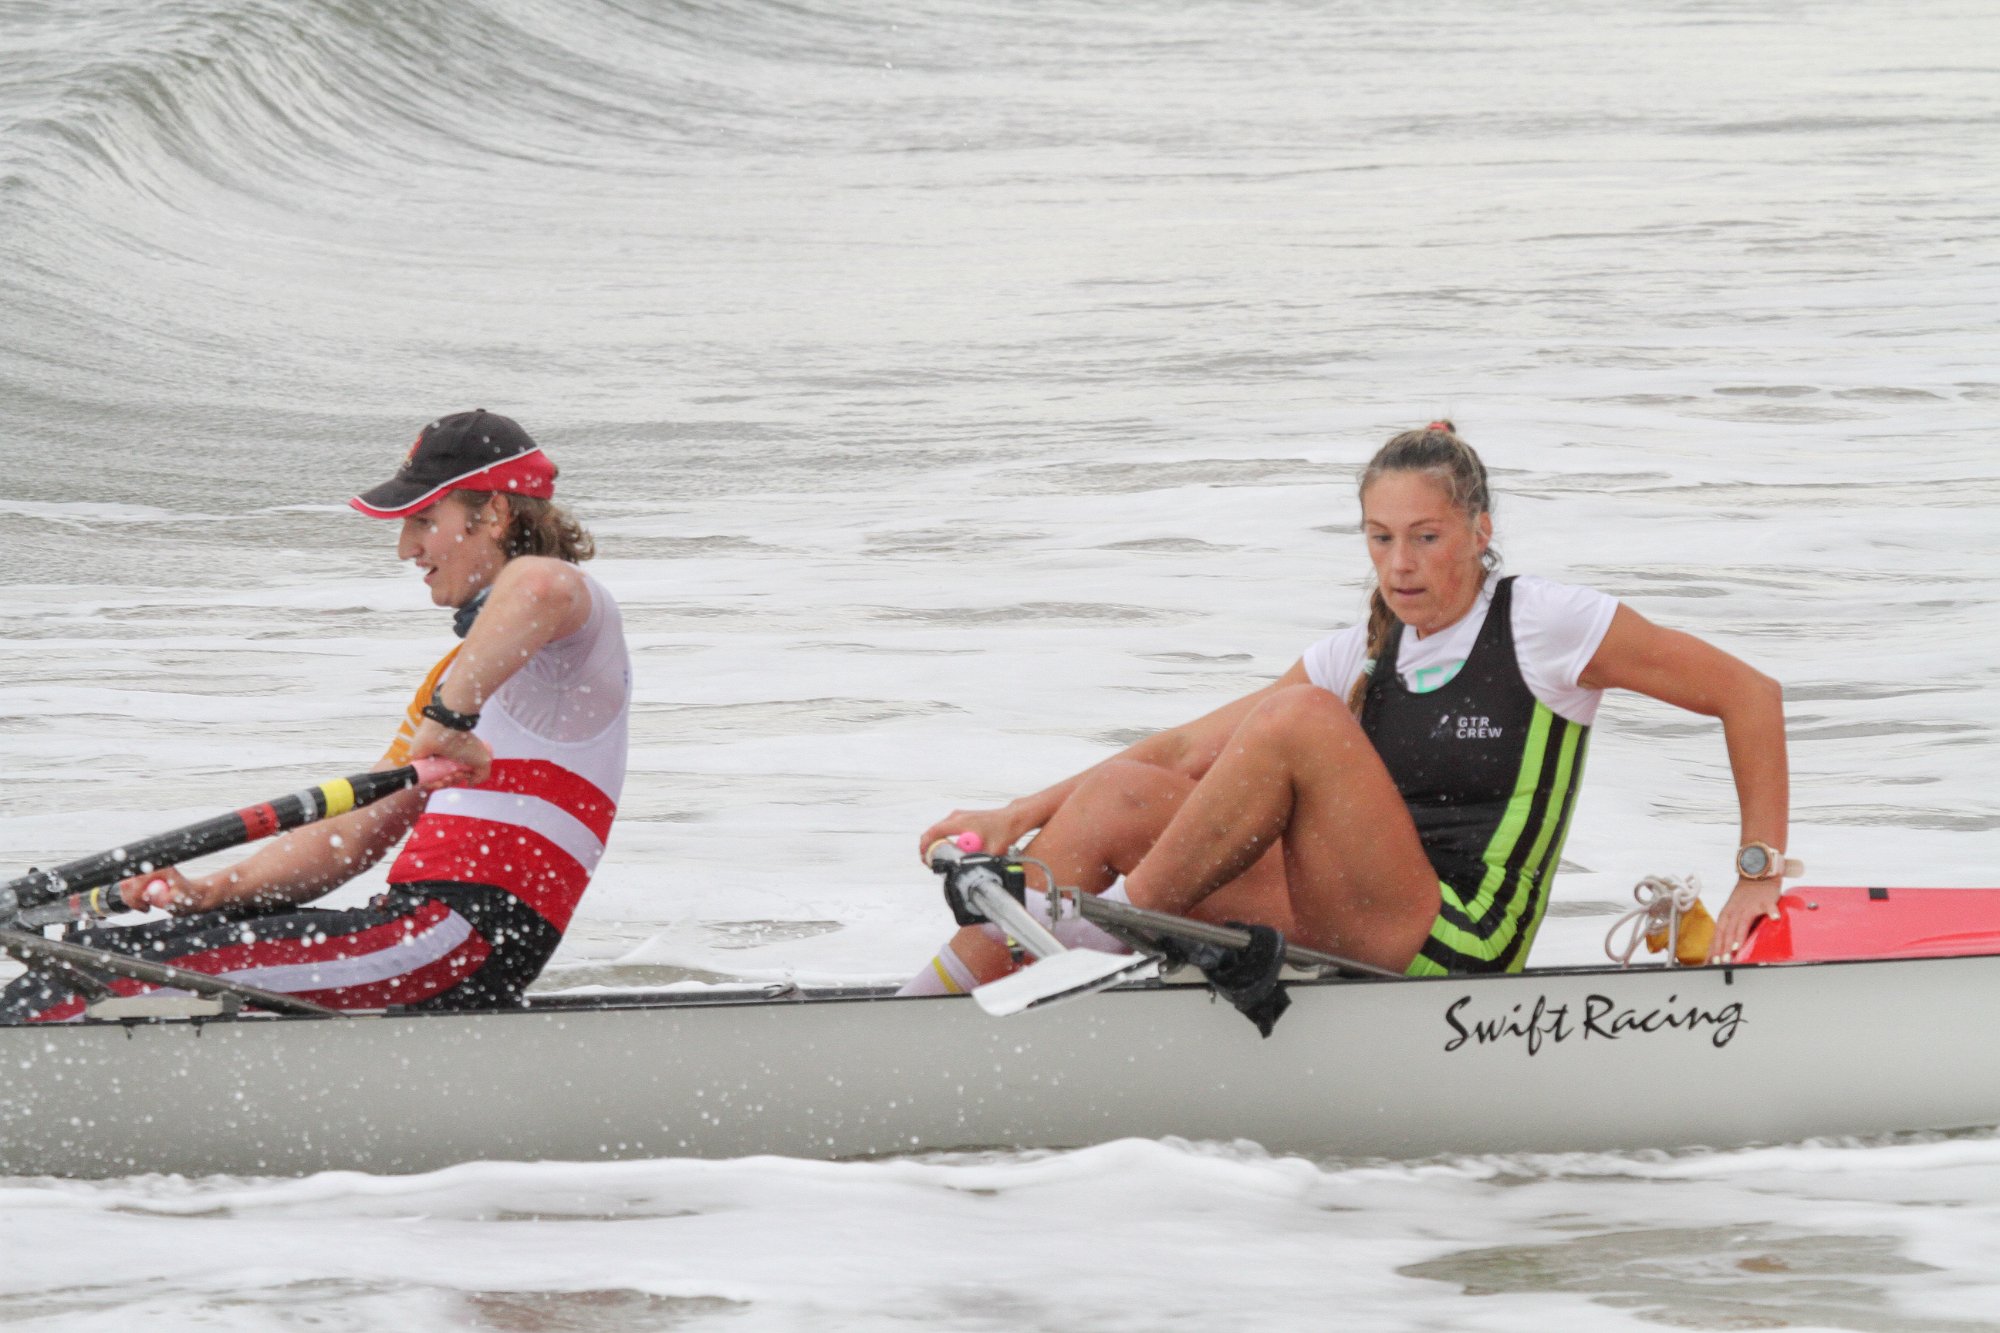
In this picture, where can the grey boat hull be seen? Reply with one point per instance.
(1560, 1060)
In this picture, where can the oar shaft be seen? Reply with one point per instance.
(1105, 913)
(24, 945)
(199, 839)
(987, 895)
(999, 907)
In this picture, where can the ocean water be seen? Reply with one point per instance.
(957, 392)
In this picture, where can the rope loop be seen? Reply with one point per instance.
(1662, 899)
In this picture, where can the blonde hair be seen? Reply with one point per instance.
(1438, 452)
(536, 527)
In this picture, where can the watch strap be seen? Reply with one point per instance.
(448, 718)
(1776, 864)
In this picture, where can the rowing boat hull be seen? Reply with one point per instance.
(1553, 1060)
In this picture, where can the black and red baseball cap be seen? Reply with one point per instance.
(466, 451)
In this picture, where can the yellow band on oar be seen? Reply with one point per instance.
(339, 795)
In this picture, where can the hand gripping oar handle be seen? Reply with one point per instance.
(987, 895)
(212, 835)
(978, 887)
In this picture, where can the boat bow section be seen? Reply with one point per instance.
(1816, 925)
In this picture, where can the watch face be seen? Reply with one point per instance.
(1753, 862)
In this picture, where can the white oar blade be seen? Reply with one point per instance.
(1065, 975)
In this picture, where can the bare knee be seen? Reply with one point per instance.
(1131, 786)
(1110, 821)
(1122, 807)
(1299, 714)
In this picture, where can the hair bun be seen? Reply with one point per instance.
(1443, 425)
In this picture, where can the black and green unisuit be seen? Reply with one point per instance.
(1490, 774)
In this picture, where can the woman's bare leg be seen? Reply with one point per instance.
(1299, 774)
(1109, 824)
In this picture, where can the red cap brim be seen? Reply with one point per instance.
(524, 474)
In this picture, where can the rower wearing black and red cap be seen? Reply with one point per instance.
(533, 704)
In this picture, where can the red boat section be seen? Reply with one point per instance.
(1825, 924)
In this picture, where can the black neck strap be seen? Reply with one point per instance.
(461, 619)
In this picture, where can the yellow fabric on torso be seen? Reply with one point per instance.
(413, 716)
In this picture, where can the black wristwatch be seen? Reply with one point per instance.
(445, 717)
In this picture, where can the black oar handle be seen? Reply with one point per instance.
(92, 904)
(210, 835)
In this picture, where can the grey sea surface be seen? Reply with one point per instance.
(958, 392)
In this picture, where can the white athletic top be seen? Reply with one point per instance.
(1557, 630)
(575, 688)
(538, 824)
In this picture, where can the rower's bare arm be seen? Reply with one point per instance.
(1190, 749)
(1682, 670)
(535, 601)
(296, 867)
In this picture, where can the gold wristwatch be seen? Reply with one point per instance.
(1760, 860)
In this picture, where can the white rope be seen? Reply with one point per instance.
(1661, 899)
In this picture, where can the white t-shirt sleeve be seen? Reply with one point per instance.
(1557, 630)
(1334, 663)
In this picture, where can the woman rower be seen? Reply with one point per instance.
(1400, 795)
(533, 706)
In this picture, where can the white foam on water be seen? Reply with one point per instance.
(1129, 1235)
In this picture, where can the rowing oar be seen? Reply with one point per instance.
(74, 881)
(86, 887)
(992, 888)
(1060, 973)
(1125, 919)
(26, 945)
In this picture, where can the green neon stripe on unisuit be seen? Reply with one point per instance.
(1552, 819)
(1546, 855)
(1501, 845)
(1476, 948)
(1471, 943)
(1456, 941)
